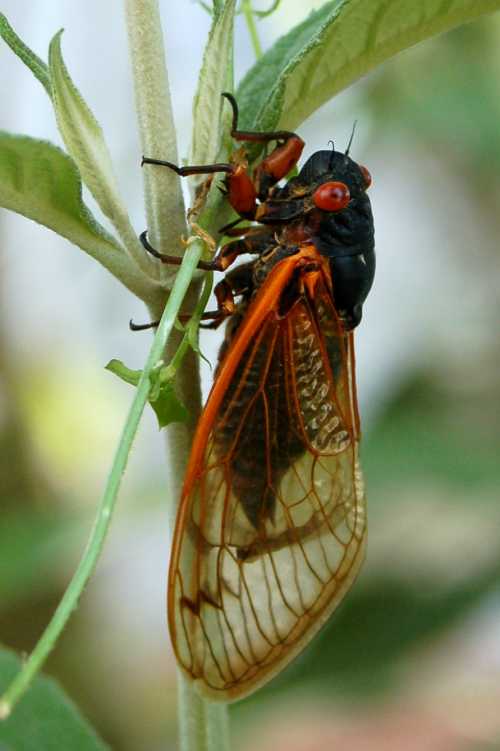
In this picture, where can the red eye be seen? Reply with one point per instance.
(331, 196)
(366, 176)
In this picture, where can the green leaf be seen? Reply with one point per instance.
(212, 81)
(168, 406)
(162, 396)
(336, 45)
(46, 719)
(122, 371)
(29, 58)
(41, 182)
(85, 142)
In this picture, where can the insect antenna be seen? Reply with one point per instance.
(330, 163)
(346, 152)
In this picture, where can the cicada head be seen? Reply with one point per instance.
(340, 221)
(335, 165)
(339, 207)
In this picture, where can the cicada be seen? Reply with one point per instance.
(270, 530)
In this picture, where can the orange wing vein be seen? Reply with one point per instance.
(271, 525)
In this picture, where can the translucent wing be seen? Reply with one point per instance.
(271, 525)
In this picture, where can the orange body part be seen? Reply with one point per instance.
(242, 194)
(281, 161)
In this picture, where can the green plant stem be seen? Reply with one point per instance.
(248, 12)
(189, 339)
(97, 536)
(264, 13)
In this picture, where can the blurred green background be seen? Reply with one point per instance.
(412, 658)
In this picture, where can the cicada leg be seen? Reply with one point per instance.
(279, 162)
(254, 240)
(173, 260)
(236, 282)
(241, 191)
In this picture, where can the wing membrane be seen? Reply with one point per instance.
(271, 527)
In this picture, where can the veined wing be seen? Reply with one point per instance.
(271, 525)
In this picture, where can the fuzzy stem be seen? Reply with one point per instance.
(218, 727)
(193, 732)
(97, 536)
(163, 195)
(203, 726)
(192, 718)
(198, 722)
(206, 726)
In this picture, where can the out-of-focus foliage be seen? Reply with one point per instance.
(445, 95)
(32, 545)
(46, 720)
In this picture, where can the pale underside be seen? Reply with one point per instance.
(274, 531)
